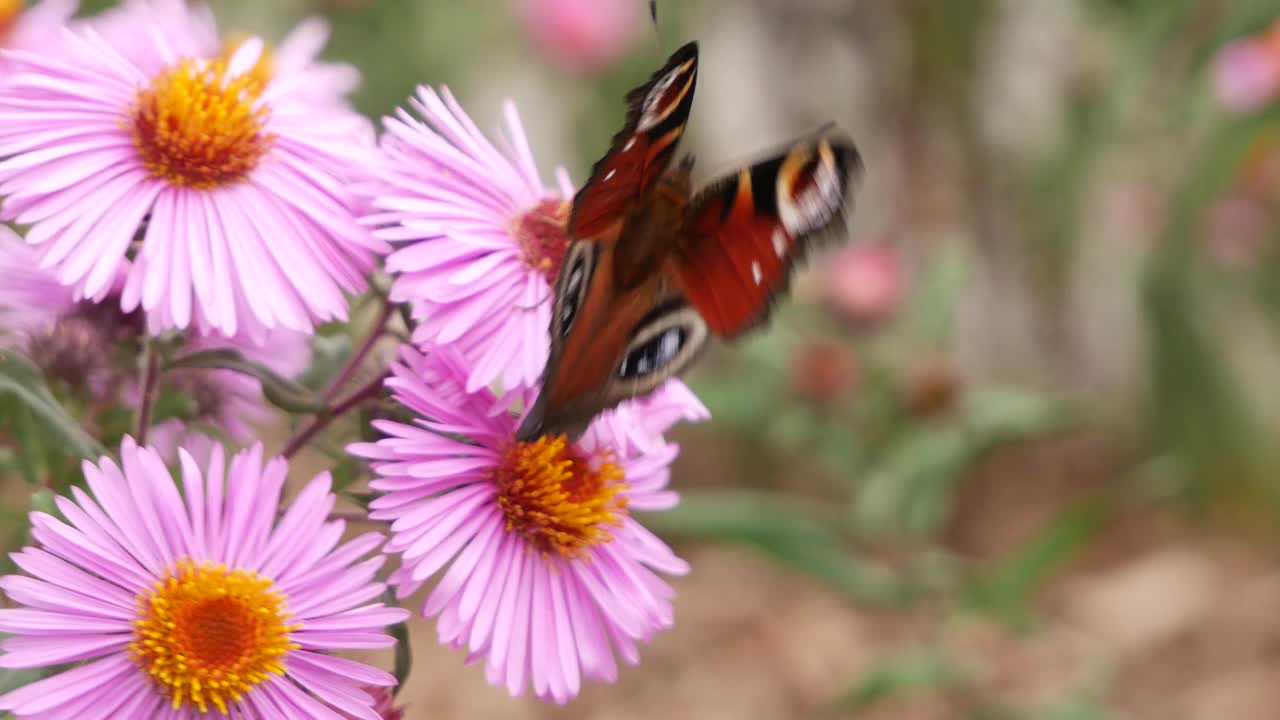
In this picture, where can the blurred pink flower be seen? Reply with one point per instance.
(864, 282)
(541, 567)
(231, 174)
(151, 597)
(30, 28)
(1246, 72)
(581, 35)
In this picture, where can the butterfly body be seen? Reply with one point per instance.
(655, 269)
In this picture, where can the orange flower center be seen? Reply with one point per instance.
(556, 499)
(195, 126)
(206, 634)
(542, 234)
(10, 11)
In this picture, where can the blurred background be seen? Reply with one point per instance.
(1012, 452)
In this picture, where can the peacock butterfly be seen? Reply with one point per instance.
(654, 270)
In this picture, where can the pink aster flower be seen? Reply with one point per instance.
(31, 299)
(194, 600)
(215, 178)
(549, 574)
(480, 238)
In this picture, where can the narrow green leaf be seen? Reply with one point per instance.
(1006, 589)
(404, 652)
(905, 674)
(909, 489)
(796, 533)
(279, 390)
(745, 515)
(22, 380)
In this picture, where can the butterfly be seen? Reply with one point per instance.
(653, 270)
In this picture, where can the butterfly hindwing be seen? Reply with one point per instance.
(640, 152)
(744, 233)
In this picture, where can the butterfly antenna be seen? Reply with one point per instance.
(653, 17)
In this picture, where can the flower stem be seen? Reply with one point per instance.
(365, 392)
(150, 379)
(357, 357)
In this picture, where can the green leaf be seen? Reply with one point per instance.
(860, 578)
(42, 501)
(909, 490)
(904, 674)
(745, 515)
(404, 652)
(279, 390)
(22, 380)
(1007, 588)
(799, 534)
(999, 415)
(346, 472)
(328, 354)
(27, 459)
(12, 679)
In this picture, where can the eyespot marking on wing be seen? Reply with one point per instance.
(577, 260)
(808, 190)
(663, 344)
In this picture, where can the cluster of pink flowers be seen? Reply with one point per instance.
(222, 194)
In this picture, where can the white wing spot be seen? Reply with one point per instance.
(610, 174)
(779, 241)
(756, 273)
(630, 144)
(652, 112)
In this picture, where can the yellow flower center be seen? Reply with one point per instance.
(557, 500)
(197, 127)
(10, 11)
(543, 237)
(206, 634)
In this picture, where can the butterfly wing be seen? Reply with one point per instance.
(746, 232)
(640, 152)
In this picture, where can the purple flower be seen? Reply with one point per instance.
(194, 603)
(480, 238)
(221, 176)
(548, 571)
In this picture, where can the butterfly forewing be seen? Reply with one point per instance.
(745, 233)
(638, 155)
